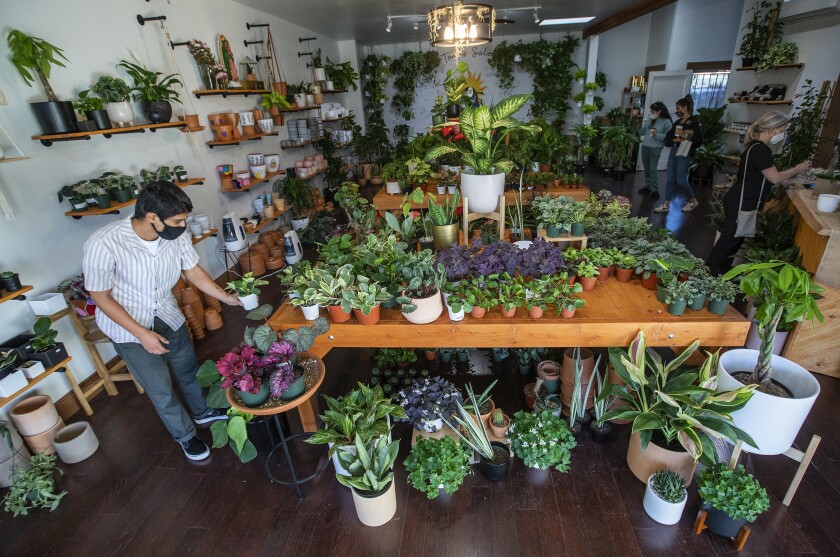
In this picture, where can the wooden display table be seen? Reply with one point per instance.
(387, 202)
(613, 315)
(818, 238)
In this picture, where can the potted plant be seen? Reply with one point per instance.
(456, 304)
(329, 284)
(721, 293)
(44, 347)
(499, 423)
(665, 497)
(786, 391)
(395, 174)
(681, 426)
(587, 274)
(10, 282)
(343, 76)
(481, 294)
(625, 267)
(247, 289)
(494, 456)
(576, 213)
(677, 295)
(300, 196)
(365, 299)
(428, 401)
(435, 464)
(541, 440)
(180, 173)
(273, 102)
(731, 498)
(34, 488)
(246, 371)
(308, 298)
(511, 294)
(371, 476)
(438, 111)
(116, 93)
(598, 429)
(32, 55)
(454, 87)
(484, 404)
(485, 130)
(94, 109)
(444, 218)
(421, 299)
(551, 214)
(153, 90)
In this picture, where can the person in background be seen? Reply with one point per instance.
(753, 184)
(685, 129)
(130, 268)
(653, 132)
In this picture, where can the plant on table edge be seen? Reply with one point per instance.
(365, 295)
(423, 278)
(682, 404)
(668, 486)
(428, 399)
(371, 466)
(541, 440)
(433, 463)
(781, 290)
(34, 488)
(721, 289)
(734, 492)
(247, 285)
(511, 292)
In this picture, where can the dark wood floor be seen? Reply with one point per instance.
(138, 495)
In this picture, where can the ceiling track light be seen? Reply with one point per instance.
(390, 24)
(536, 16)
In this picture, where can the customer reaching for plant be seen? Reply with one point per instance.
(130, 267)
(684, 137)
(654, 130)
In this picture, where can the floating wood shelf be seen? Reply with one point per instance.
(779, 67)
(114, 209)
(32, 382)
(268, 177)
(343, 145)
(13, 159)
(254, 137)
(18, 295)
(228, 92)
(325, 120)
(198, 129)
(264, 223)
(333, 91)
(304, 144)
(301, 108)
(49, 139)
(761, 102)
(213, 232)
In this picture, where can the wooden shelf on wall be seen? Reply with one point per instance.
(333, 91)
(304, 144)
(263, 223)
(32, 382)
(779, 67)
(49, 139)
(325, 120)
(17, 295)
(213, 232)
(114, 209)
(225, 93)
(255, 137)
(268, 177)
(760, 102)
(13, 159)
(301, 108)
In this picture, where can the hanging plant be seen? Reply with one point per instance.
(501, 60)
(411, 70)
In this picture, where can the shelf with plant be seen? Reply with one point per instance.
(255, 137)
(48, 139)
(342, 74)
(114, 208)
(762, 31)
(225, 93)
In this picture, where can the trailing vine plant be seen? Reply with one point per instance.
(375, 71)
(803, 132)
(411, 70)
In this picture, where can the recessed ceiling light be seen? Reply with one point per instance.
(566, 20)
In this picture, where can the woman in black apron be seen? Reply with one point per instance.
(756, 177)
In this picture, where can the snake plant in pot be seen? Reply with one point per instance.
(444, 218)
(786, 391)
(421, 300)
(370, 474)
(484, 130)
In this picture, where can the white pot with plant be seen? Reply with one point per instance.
(247, 289)
(485, 130)
(370, 475)
(665, 497)
(421, 300)
(117, 95)
(785, 390)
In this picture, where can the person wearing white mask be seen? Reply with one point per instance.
(756, 177)
(653, 132)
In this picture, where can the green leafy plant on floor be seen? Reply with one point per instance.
(541, 440)
(34, 488)
(371, 466)
(433, 463)
(734, 492)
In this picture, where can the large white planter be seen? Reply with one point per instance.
(483, 191)
(754, 341)
(120, 114)
(376, 511)
(662, 511)
(249, 302)
(75, 443)
(771, 421)
(428, 309)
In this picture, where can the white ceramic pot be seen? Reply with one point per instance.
(256, 159)
(310, 100)
(266, 125)
(258, 172)
(662, 511)
(299, 223)
(754, 341)
(195, 230)
(339, 469)
(272, 163)
(320, 74)
(246, 118)
(392, 188)
(376, 511)
(771, 421)
(75, 443)
(451, 189)
(827, 203)
(300, 99)
(482, 191)
(249, 302)
(311, 313)
(428, 309)
(455, 316)
(32, 368)
(441, 190)
(431, 426)
(120, 114)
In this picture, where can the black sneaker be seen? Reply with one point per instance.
(195, 449)
(210, 415)
(654, 195)
(644, 190)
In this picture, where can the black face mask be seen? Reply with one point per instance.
(169, 232)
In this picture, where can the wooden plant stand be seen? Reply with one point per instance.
(498, 216)
(562, 238)
(737, 542)
(803, 458)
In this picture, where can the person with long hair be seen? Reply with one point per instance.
(653, 132)
(685, 130)
(756, 176)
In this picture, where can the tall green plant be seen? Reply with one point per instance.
(151, 86)
(33, 55)
(803, 132)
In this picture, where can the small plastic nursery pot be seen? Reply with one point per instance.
(496, 471)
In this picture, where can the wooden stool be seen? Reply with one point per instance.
(498, 216)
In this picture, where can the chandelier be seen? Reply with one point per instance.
(460, 25)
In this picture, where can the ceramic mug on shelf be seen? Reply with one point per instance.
(246, 118)
(195, 230)
(244, 178)
(272, 163)
(255, 159)
(258, 171)
(266, 125)
(223, 170)
(302, 172)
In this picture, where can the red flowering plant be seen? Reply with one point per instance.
(243, 368)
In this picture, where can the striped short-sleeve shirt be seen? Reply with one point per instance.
(115, 259)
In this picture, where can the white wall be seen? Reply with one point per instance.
(661, 27)
(42, 244)
(631, 41)
(703, 30)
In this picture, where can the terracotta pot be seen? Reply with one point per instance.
(370, 319)
(478, 312)
(275, 262)
(587, 359)
(267, 238)
(215, 120)
(34, 415)
(545, 167)
(650, 282)
(530, 394)
(44, 441)
(248, 131)
(431, 355)
(275, 252)
(191, 120)
(623, 275)
(337, 315)
(603, 273)
(224, 133)
(230, 119)
(567, 390)
(588, 283)
(654, 458)
(75, 443)
(500, 432)
(212, 319)
(485, 418)
(508, 313)
(535, 312)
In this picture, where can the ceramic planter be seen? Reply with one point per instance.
(720, 523)
(55, 116)
(337, 315)
(75, 443)
(567, 313)
(588, 283)
(121, 114)
(492, 471)
(623, 275)
(311, 313)
(644, 463)
(339, 469)
(44, 440)
(445, 236)
(771, 421)
(295, 389)
(718, 307)
(34, 415)
(100, 118)
(371, 318)
(455, 315)
(483, 191)
(428, 309)
(11, 284)
(376, 509)
(249, 302)
(252, 400)
(603, 274)
(660, 294)
(32, 369)
(392, 188)
(530, 393)
(578, 228)
(660, 510)
(677, 307)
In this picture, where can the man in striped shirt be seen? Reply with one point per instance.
(130, 268)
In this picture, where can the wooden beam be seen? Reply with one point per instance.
(622, 17)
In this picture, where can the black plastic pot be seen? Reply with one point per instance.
(78, 203)
(703, 172)
(747, 62)
(720, 523)
(86, 126)
(600, 434)
(11, 284)
(122, 196)
(453, 110)
(157, 112)
(103, 201)
(619, 174)
(427, 245)
(55, 117)
(52, 357)
(100, 117)
(495, 472)
(22, 344)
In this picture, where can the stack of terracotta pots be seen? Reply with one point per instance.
(567, 377)
(190, 297)
(75, 443)
(212, 319)
(195, 323)
(253, 261)
(178, 290)
(38, 421)
(267, 238)
(14, 457)
(212, 303)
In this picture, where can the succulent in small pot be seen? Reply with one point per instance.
(731, 498)
(665, 497)
(10, 281)
(427, 400)
(499, 423)
(435, 464)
